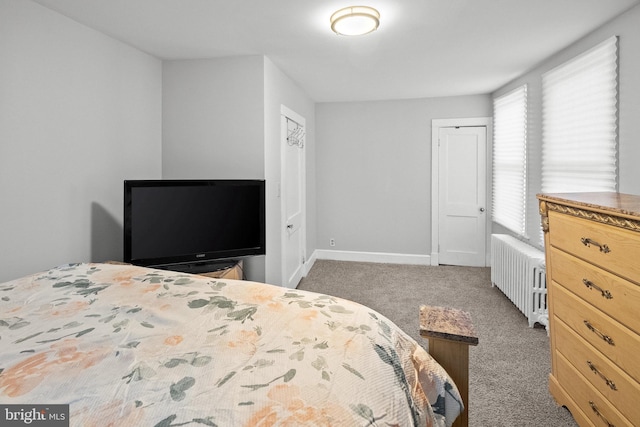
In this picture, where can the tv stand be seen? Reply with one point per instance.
(228, 269)
(231, 272)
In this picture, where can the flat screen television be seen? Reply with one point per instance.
(192, 225)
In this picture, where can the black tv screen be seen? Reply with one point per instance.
(172, 222)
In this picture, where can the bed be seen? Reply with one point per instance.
(133, 346)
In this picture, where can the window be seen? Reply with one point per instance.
(579, 122)
(510, 160)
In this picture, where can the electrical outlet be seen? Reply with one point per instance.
(332, 242)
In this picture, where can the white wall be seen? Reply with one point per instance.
(79, 113)
(212, 118)
(627, 27)
(374, 171)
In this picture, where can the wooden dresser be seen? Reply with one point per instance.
(592, 249)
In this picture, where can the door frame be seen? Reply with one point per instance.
(284, 113)
(436, 125)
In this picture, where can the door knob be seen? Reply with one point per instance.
(481, 209)
(289, 226)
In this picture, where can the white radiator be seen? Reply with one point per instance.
(518, 270)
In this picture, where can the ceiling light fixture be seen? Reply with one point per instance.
(355, 20)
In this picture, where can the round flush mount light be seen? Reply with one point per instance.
(355, 20)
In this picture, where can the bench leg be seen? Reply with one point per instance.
(453, 356)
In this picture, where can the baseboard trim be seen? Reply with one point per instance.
(376, 257)
(309, 263)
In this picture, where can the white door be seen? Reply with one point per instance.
(462, 195)
(293, 197)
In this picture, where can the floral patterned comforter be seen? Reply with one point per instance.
(133, 346)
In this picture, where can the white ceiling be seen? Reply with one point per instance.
(423, 48)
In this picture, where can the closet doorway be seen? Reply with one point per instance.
(293, 196)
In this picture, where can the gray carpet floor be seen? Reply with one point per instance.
(508, 369)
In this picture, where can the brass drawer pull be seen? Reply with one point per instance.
(588, 242)
(589, 284)
(607, 338)
(610, 383)
(595, 409)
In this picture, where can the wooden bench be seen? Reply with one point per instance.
(450, 333)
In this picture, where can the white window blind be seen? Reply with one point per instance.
(579, 122)
(510, 160)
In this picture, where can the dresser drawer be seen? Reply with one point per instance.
(615, 296)
(587, 398)
(615, 341)
(609, 247)
(619, 388)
